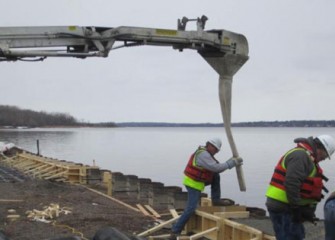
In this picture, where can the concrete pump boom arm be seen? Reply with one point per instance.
(75, 41)
(225, 51)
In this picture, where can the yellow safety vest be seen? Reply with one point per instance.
(191, 182)
(280, 194)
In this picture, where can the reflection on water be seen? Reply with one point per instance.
(161, 153)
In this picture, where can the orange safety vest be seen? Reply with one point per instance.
(311, 187)
(195, 172)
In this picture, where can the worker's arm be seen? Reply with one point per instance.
(206, 161)
(298, 165)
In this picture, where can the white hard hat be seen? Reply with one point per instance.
(216, 142)
(328, 143)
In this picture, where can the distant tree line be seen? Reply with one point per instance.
(12, 116)
(302, 123)
(292, 123)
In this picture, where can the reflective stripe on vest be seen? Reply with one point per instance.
(193, 184)
(311, 188)
(195, 176)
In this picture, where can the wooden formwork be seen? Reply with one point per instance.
(216, 219)
(48, 168)
(213, 224)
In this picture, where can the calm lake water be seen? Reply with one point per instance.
(161, 153)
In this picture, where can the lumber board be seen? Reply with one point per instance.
(48, 173)
(142, 209)
(22, 164)
(60, 179)
(212, 209)
(158, 227)
(37, 168)
(33, 166)
(55, 175)
(174, 213)
(268, 237)
(242, 227)
(206, 202)
(163, 236)
(207, 215)
(152, 211)
(111, 198)
(242, 214)
(203, 233)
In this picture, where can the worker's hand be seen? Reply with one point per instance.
(308, 213)
(239, 161)
(233, 162)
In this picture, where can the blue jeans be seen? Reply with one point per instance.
(329, 215)
(192, 204)
(216, 187)
(284, 228)
(193, 199)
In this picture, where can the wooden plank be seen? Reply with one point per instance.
(163, 236)
(48, 173)
(242, 227)
(268, 237)
(142, 209)
(207, 215)
(244, 214)
(212, 209)
(26, 168)
(56, 175)
(60, 179)
(203, 233)
(206, 202)
(111, 198)
(42, 165)
(174, 213)
(158, 227)
(23, 164)
(39, 172)
(152, 211)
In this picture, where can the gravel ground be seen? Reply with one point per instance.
(89, 211)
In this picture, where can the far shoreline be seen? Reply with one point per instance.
(290, 124)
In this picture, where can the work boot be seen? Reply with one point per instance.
(256, 212)
(173, 236)
(223, 202)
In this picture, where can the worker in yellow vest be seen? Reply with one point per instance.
(296, 186)
(201, 170)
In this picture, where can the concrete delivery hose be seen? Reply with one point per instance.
(225, 95)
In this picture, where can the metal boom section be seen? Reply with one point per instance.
(75, 41)
(225, 51)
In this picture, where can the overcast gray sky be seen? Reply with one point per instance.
(289, 76)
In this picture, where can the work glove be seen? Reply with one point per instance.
(308, 213)
(233, 162)
(296, 214)
(239, 161)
